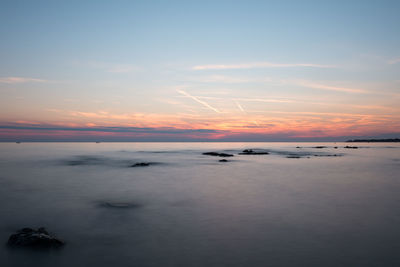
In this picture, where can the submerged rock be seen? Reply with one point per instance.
(252, 152)
(39, 238)
(119, 205)
(217, 154)
(86, 160)
(328, 155)
(223, 160)
(351, 147)
(293, 157)
(319, 147)
(141, 164)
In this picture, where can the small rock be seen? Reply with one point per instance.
(351, 147)
(223, 160)
(39, 238)
(252, 152)
(293, 157)
(217, 154)
(141, 164)
(119, 205)
(319, 147)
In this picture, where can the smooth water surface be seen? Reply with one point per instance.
(297, 206)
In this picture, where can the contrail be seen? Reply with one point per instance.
(253, 65)
(240, 107)
(198, 101)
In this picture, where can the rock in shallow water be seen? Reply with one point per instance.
(217, 154)
(252, 152)
(119, 205)
(39, 238)
(141, 164)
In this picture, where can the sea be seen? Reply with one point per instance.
(168, 204)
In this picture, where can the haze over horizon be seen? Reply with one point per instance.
(199, 70)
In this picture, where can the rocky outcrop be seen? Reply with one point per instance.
(39, 238)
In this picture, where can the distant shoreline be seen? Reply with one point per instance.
(391, 140)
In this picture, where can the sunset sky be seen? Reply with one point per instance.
(199, 70)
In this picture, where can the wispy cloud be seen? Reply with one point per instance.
(330, 87)
(14, 80)
(150, 130)
(259, 65)
(268, 100)
(198, 101)
(394, 61)
(123, 68)
(221, 79)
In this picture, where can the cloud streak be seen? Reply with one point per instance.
(254, 65)
(149, 130)
(331, 88)
(394, 61)
(16, 80)
(123, 68)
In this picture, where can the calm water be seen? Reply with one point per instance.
(188, 209)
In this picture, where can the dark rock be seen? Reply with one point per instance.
(141, 164)
(351, 147)
(293, 157)
(39, 238)
(119, 205)
(335, 147)
(223, 160)
(298, 146)
(319, 147)
(252, 152)
(217, 154)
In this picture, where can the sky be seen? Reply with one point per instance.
(199, 70)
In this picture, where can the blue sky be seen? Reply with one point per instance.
(296, 68)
